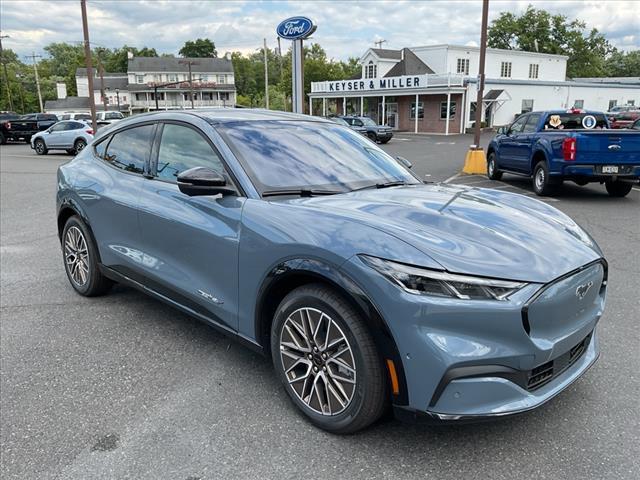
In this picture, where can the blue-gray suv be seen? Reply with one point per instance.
(307, 242)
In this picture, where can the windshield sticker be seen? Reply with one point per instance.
(589, 122)
(554, 121)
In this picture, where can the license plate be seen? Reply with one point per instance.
(610, 169)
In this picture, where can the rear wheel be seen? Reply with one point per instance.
(81, 260)
(40, 147)
(543, 184)
(327, 360)
(79, 145)
(618, 188)
(492, 167)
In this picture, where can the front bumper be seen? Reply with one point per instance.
(471, 360)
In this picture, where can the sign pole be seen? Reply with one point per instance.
(297, 78)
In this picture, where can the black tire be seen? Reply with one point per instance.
(385, 141)
(79, 145)
(372, 136)
(40, 147)
(492, 167)
(92, 283)
(617, 188)
(368, 393)
(3, 139)
(543, 184)
(70, 151)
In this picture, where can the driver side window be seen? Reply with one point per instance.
(518, 125)
(182, 148)
(58, 127)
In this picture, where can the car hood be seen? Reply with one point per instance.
(471, 230)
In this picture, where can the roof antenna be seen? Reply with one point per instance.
(380, 42)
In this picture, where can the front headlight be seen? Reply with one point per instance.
(423, 281)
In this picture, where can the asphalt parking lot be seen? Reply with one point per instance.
(123, 386)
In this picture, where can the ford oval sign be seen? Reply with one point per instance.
(295, 28)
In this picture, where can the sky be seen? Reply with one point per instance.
(345, 28)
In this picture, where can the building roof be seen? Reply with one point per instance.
(82, 72)
(409, 65)
(387, 53)
(111, 83)
(172, 64)
(68, 103)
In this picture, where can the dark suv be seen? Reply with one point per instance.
(366, 126)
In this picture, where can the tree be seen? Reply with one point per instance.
(200, 48)
(537, 30)
(119, 59)
(621, 64)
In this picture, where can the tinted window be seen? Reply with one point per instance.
(76, 125)
(47, 117)
(532, 123)
(286, 154)
(130, 149)
(573, 121)
(182, 148)
(83, 116)
(59, 127)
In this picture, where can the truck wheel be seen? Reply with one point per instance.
(40, 147)
(27, 139)
(618, 188)
(543, 184)
(492, 167)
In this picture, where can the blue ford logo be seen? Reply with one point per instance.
(295, 27)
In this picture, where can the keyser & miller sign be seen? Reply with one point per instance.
(389, 83)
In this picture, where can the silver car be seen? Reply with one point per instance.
(69, 135)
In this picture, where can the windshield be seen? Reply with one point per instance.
(368, 122)
(283, 155)
(339, 121)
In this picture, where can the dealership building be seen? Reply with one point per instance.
(433, 89)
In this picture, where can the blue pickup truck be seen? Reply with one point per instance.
(559, 145)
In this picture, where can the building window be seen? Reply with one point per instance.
(631, 103)
(412, 112)
(527, 106)
(443, 110)
(172, 77)
(505, 70)
(533, 70)
(140, 96)
(612, 103)
(371, 70)
(578, 104)
(160, 96)
(223, 95)
(207, 95)
(139, 78)
(472, 111)
(157, 78)
(222, 79)
(462, 66)
(186, 97)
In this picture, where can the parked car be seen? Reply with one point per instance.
(636, 125)
(338, 120)
(366, 126)
(25, 126)
(75, 116)
(559, 145)
(621, 109)
(109, 117)
(624, 120)
(70, 135)
(308, 243)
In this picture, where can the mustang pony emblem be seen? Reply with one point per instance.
(582, 290)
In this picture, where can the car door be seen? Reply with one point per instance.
(110, 187)
(191, 243)
(508, 147)
(524, 143)
(55, 135)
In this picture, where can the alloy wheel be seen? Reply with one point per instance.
(318, 361)
(76, 256)
(80, 144)
(39, 146)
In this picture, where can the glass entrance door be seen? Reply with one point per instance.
(391, 113)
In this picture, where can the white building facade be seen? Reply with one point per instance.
(442, 81)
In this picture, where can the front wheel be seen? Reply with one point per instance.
(40, 147)
(492, 167)
(618, 188)
(327, 360)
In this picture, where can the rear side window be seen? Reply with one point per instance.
(129, 150)
(182, 148)
(575, 121)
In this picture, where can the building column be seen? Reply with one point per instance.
(310, 105)
(344, 105)
(362, 106)
(324, 106)
(446, 128)
(384, 110)
(415, 114)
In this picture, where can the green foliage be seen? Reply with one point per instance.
(539, 30)
(621, 64)
(199, 48)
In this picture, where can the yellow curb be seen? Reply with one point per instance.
(475, 163)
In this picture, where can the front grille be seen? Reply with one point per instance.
(546, 372)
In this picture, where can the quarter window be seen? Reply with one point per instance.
(462, 66)
(505, 70)
(182, 148)
(129, 150)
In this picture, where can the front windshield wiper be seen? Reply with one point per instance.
(395, 183)
(303, 192)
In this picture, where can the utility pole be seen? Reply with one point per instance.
(190, 63)
(475, 161)
(87, 58)
(266, 76)
(6, 75)
(35, 71)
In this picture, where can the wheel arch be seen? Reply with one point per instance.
(67, 210)
(538, 156)
(293, 273)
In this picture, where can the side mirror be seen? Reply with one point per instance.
(203, 181)
(404, 162)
